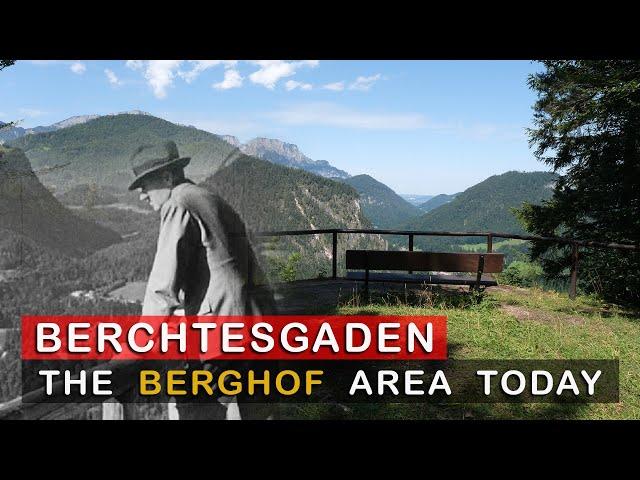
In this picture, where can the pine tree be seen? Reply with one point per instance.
(587, 127)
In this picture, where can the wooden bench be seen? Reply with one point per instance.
(477, 263)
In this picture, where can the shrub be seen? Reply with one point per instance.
(522, 274)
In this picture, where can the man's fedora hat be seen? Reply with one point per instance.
(151, 158)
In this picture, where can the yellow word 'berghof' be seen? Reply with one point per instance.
(286, 382)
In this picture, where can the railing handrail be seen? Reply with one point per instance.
(373, 231)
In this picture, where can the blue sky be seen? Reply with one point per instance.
(422, 127)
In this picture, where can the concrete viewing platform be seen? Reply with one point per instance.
(324, 296)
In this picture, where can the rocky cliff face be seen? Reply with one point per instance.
(230, 139)
(288, 154)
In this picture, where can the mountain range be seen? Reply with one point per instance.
(486, 206)
(66, 143)
(272, 197)
(99, 150)
(287, 154)
(95, 152)
(11, 133)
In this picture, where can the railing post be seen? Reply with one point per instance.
(334, 257)
(490, 243)
(410, 247)
(574, 271)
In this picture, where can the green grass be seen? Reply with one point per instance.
(517, 323)
(482, 247)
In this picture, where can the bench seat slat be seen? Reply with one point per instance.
(422, 261)
(486, 280)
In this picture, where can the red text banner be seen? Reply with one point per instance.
(290, 337)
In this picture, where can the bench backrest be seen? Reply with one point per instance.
(423, 261)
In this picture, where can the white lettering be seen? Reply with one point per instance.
(383, 337)
(414, 332)
(255, 331)
(360, 383)
(487, 374)
(204, 328)
(227, 337)
(591, 381)
(53, 337)
(302, 341)
(325, 331)
(351, 348)
(103, 337)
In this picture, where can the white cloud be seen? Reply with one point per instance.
(364, 84)
(32, 112)
(160, 74)
(328, 114)
(335, 86)
(292, 85)
(272, 71)
(200, 66)
(232, 79)
(112, 77)
(78, 68)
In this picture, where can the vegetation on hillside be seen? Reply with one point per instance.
(272, 197)
(487, 206)
(30, 210)
(99, 150)
(384, 207)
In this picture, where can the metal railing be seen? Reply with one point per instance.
(411, 234)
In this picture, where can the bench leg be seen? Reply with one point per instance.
(479, 273)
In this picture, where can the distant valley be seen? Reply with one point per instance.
(437, 201)
(415, 199)
(384, 207)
